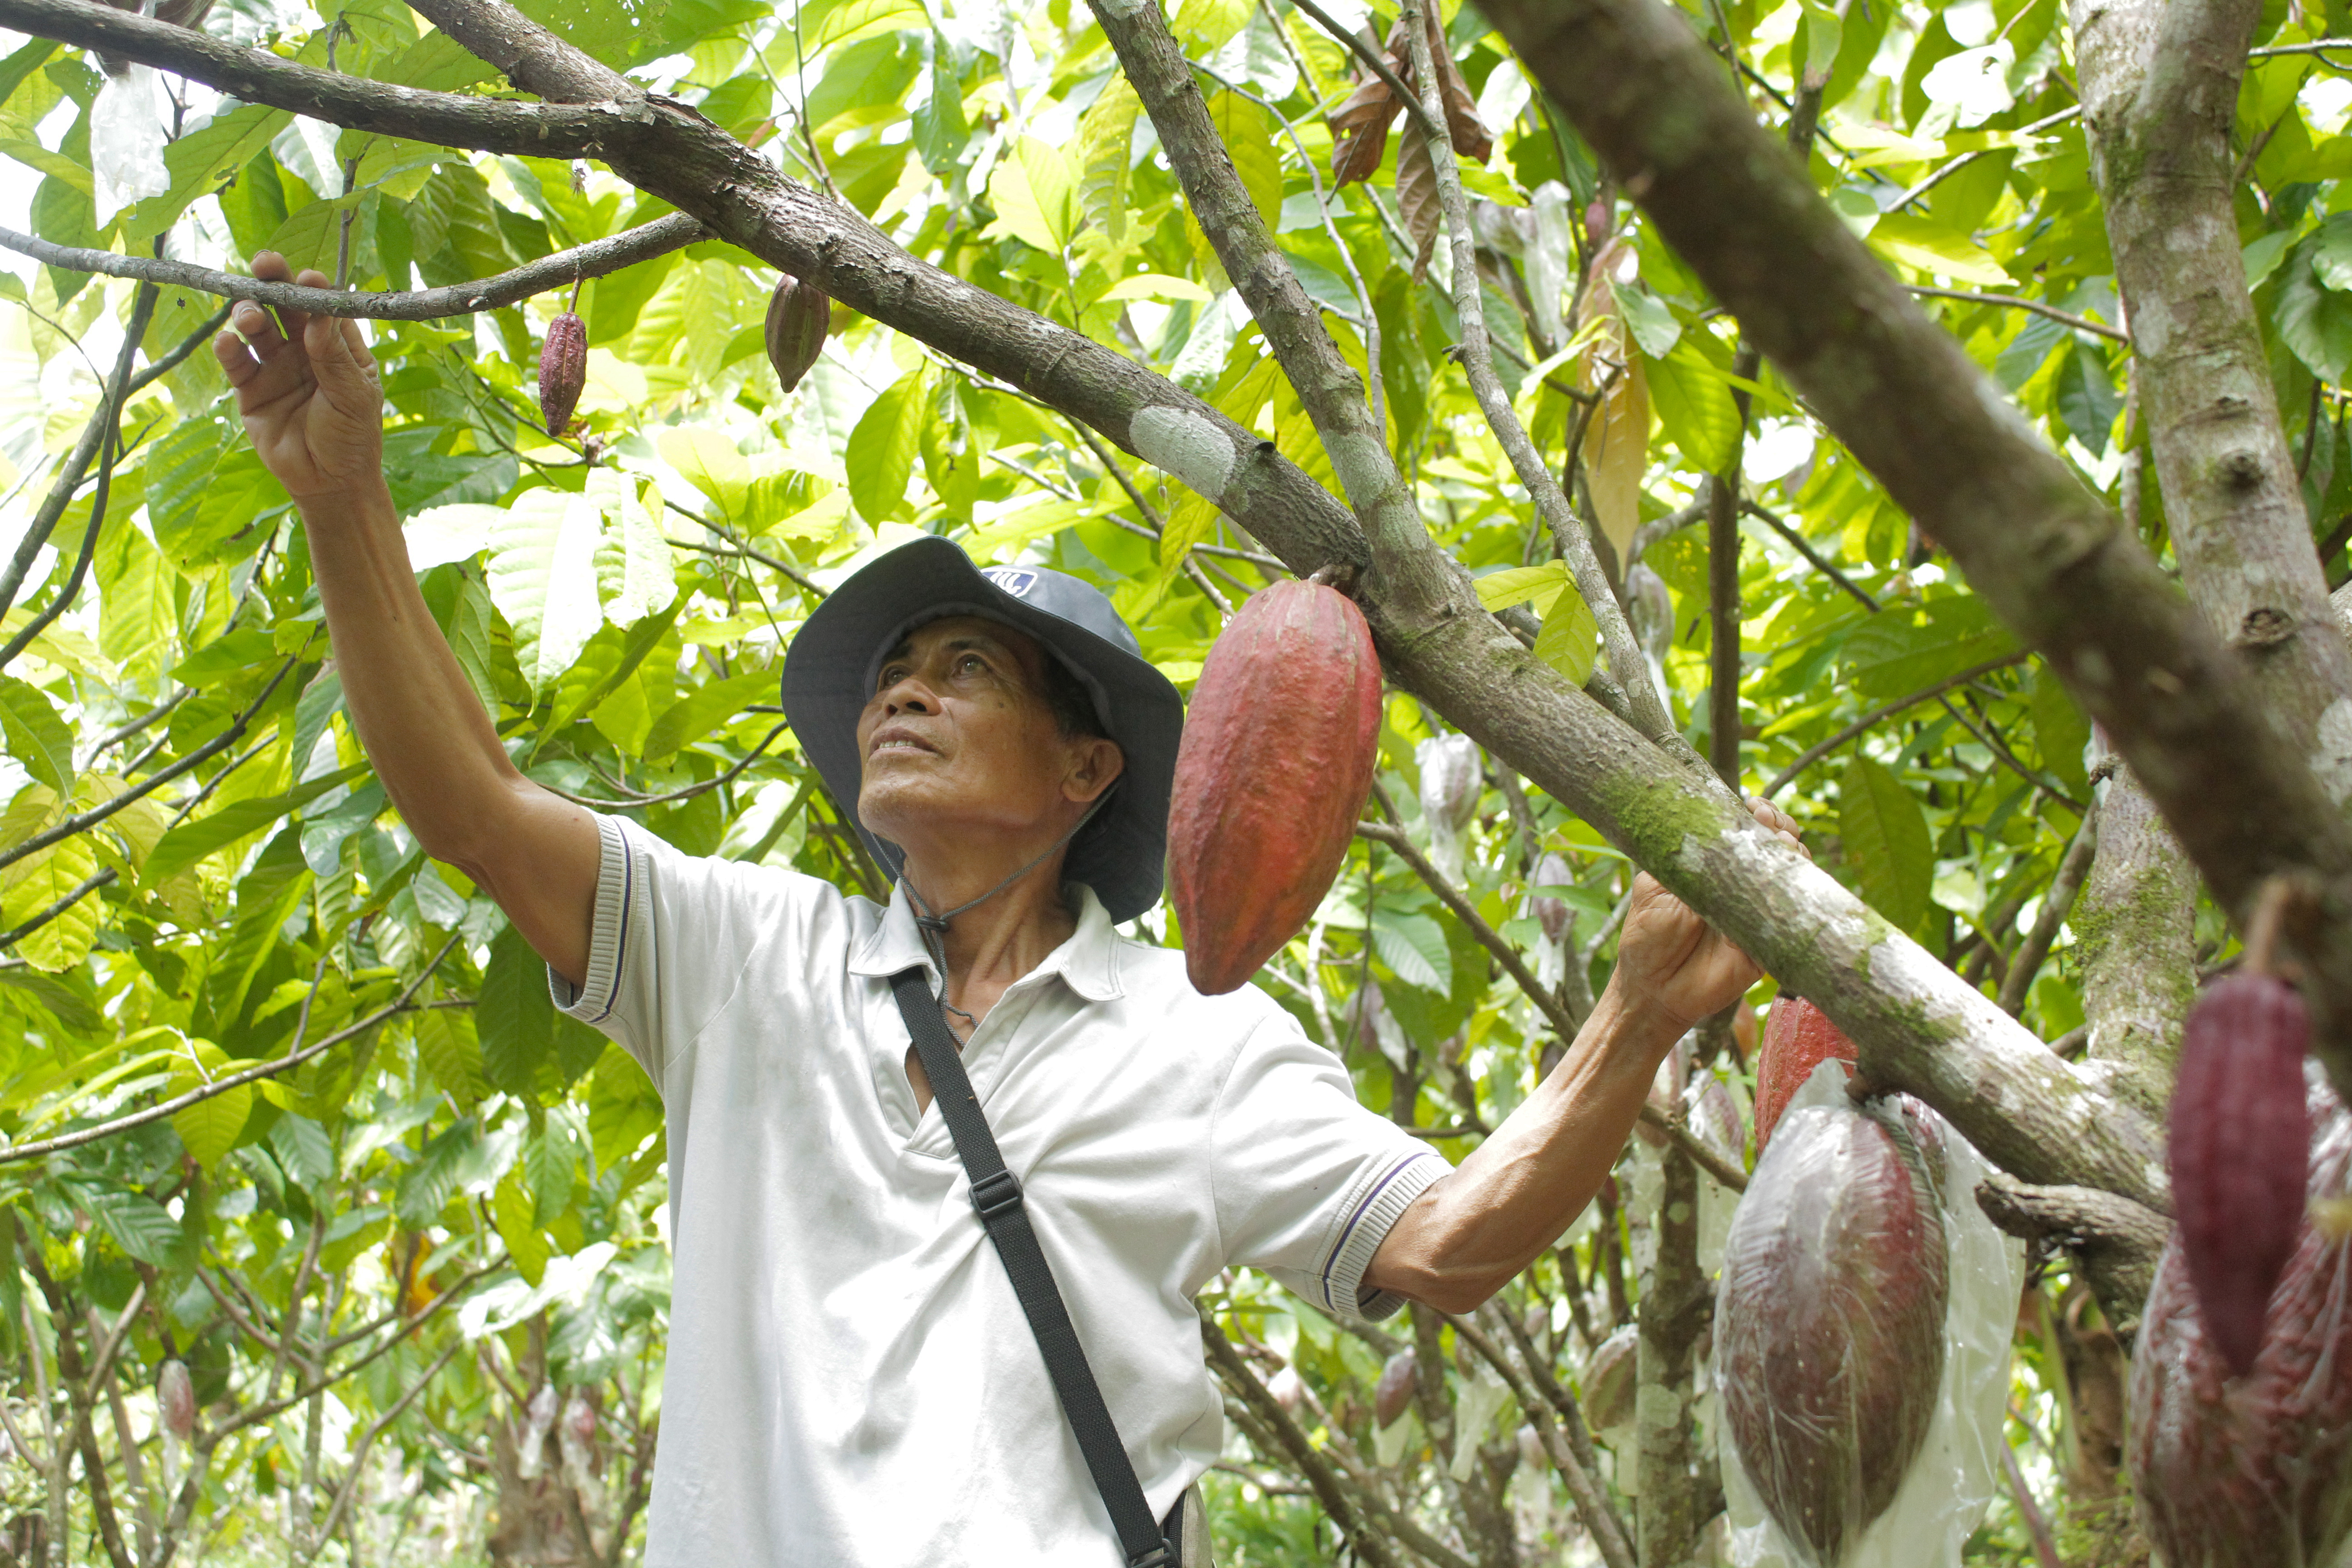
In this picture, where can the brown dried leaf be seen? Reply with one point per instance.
(1468, 133)
(1360, 130)
(1416, 190)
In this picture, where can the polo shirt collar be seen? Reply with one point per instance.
(1088, 962)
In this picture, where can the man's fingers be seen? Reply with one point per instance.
(256, 327)
(235, 359)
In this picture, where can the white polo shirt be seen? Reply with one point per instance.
(850, 1379)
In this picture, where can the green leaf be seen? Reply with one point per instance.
(1537, 585)
(514, 1014)
(2315, 322)
(1204, 25)
(1929, 246)
(37, 885)
(1570, 637)
(941, 132)
(1649, 320)
(2060, 732)
(542, 576)
(624, 1108)
(855, 19)
(1035, 194)
(1897, 652)
(2088, 403)
(201, 160)
(882, 447)
(192, 841)
(547, 1162)
(2264, 255)
(37, 735)
(424, 1190)
(141, 1228)
(446, 1047)
(510, 1214)
(1693, 406)
(1885, 837)
(1414, 949)
(2330, 248)
(703, 710)
(302, 1149)
(1106, 135)
(209, 1127)
(67, 998)
(1249, 141)
(635, 572)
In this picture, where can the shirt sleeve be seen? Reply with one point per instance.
(1308, 1182)
(673, 935)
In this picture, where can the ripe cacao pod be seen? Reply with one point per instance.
(1271, 776)
(798, 314)
(1829, 1322)
(2240, 1152)
(175, 1397)
(562, 370)
(2253, 1471)
(1393, 1394)
(1798, 1038)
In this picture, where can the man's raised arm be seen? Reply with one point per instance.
(314, 410)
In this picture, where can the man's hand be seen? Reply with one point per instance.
(311, 402)
(1674, 961)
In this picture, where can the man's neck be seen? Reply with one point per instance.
(997, 941)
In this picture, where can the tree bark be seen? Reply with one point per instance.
(1911, 406)
(2136, 929)
(1673, 1309)
(2160, 81)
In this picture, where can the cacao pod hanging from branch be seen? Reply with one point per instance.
(1271, 776)
(562, 370)
(799, 313)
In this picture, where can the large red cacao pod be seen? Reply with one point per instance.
(1271, 776)
(1798, 1038)
(2239, 1151)
(2252, 1471)
(1829, 1322)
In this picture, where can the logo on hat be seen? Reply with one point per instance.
(1013, 580)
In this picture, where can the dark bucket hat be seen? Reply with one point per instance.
(833, 662)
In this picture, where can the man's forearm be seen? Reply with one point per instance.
(1476, 1228)
(436, 751)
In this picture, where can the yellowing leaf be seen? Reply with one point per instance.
(1929, 247)
(1538, 586)
(1035, 193)
(44, 879)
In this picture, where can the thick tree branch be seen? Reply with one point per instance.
(561, 269)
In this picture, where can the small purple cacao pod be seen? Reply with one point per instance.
(2240, 1152)
(1395, 1390)
(580, 1416)
(177, 1397)
(798, 314)
(1550, 908)
(1609, 1383)
(562, 370)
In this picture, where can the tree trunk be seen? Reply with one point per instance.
(1673, 1309)
(2135, 931)
(2160, 81)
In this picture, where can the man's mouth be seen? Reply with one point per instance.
(897, 742)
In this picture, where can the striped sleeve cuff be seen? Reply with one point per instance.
(608, 941)
(1374, 1213)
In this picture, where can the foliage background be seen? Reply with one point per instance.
(375, 1262)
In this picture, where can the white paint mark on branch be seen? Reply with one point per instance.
(1187, 445)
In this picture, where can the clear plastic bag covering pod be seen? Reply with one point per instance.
(1945, 1491)
(2253, 1472)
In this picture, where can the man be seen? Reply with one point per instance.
(850, 1378)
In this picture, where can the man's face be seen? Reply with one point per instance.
(957, 737)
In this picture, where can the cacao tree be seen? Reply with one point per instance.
(1929, 417)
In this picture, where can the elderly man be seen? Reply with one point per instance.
(852, 1377)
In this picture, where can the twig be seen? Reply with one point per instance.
(1406, 98)
(2056, 905)
(1946, 171)
(1548, 1414)
(1546, 1001)
(687, 793)
(1804, 548)
(1984, 731)
(591, 261)
(223, 1085)
(152, 782)
(2012, 302)
(157, 369)
(1815, 754)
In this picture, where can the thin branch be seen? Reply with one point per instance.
(1992, 743)
(1406, 98)
(2056, 905)
(223, 1085)
(34, 923)
(1945, 171)
(357, 1469)
(687, 793)
(2314, 46)
(2015, 302)
(1815, 754)
(152, 782)
(116, 736)
(1545, 1001)
(561, 269)
(1804, 548)
(1601, 1522)
(109, 448)
(158, 369)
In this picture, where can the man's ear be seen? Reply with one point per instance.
(1095, 765)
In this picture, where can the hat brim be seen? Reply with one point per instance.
(1121, 854)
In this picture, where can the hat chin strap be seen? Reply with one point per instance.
(934, 925)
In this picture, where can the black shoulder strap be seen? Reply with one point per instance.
(996, 1193)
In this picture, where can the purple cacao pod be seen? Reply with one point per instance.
(562, 370)
(1611, 1379)
(2255, 1469)
(1551, 909)
(2240, 1152)
(799, 313)
(1829, 1322)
